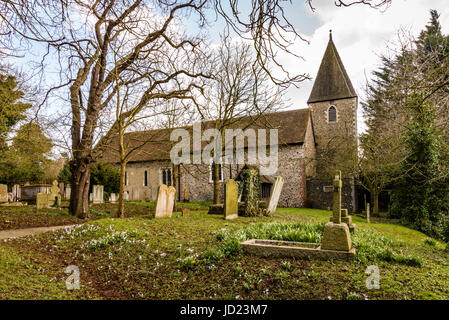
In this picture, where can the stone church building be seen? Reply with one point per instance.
(309, 149)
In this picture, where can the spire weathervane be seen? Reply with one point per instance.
(330, 35)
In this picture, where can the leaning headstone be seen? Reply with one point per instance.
(336, 235)
(3, 193)
(54, 192)
(97, 191)
(171, 199)
(164, 201)
(42, 201)
(275, 194)
(231, 205)
(186, 194)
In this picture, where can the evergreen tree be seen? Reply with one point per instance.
(106, 175)
(421, 197)
(26, 158)
(11, 107)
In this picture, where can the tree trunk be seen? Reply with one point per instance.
(376, 203)
(79, 196)
(121, 198)
(216, 179)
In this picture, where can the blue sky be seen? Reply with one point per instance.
(360, 34)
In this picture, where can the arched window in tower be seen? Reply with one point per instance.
(332, 116)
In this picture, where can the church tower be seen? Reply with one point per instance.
(333, 104)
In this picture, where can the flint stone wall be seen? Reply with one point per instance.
(319, 194)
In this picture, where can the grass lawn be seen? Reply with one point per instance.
(179, 258)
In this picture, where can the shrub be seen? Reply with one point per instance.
(371, 246)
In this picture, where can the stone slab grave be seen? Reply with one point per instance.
(97, 194)
(336, 241)
(275, 194)
(346, 218)
(3, 193)
(231, 205)
(165, 201)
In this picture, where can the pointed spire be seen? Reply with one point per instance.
(332, 82)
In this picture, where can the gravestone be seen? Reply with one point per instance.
(275, 194)
(42, 201)
(16, 192)
(67, 191)
(171, 199)
(336, 235)
(251, 191)
(97, 191)
(62, 188)
(91, 197)
(165, 201)
(186, 194)
(346, 218)
(185, 212)
(126, 196)
(112, 198)
(3, 193)
(231, 207)
(54, 193)
(58, 201)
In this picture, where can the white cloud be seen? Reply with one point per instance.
(360, 35)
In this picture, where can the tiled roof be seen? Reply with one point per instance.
(332, 82)
(156, 144)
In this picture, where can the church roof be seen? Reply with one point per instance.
(332, 82)
(155, 144)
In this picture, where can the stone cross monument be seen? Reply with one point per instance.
(337, 198)
(336, 235)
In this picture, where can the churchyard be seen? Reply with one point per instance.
(199, 257)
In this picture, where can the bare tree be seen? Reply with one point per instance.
(238, 89)
(77, 36)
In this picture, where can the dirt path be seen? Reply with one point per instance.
(17, 233)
